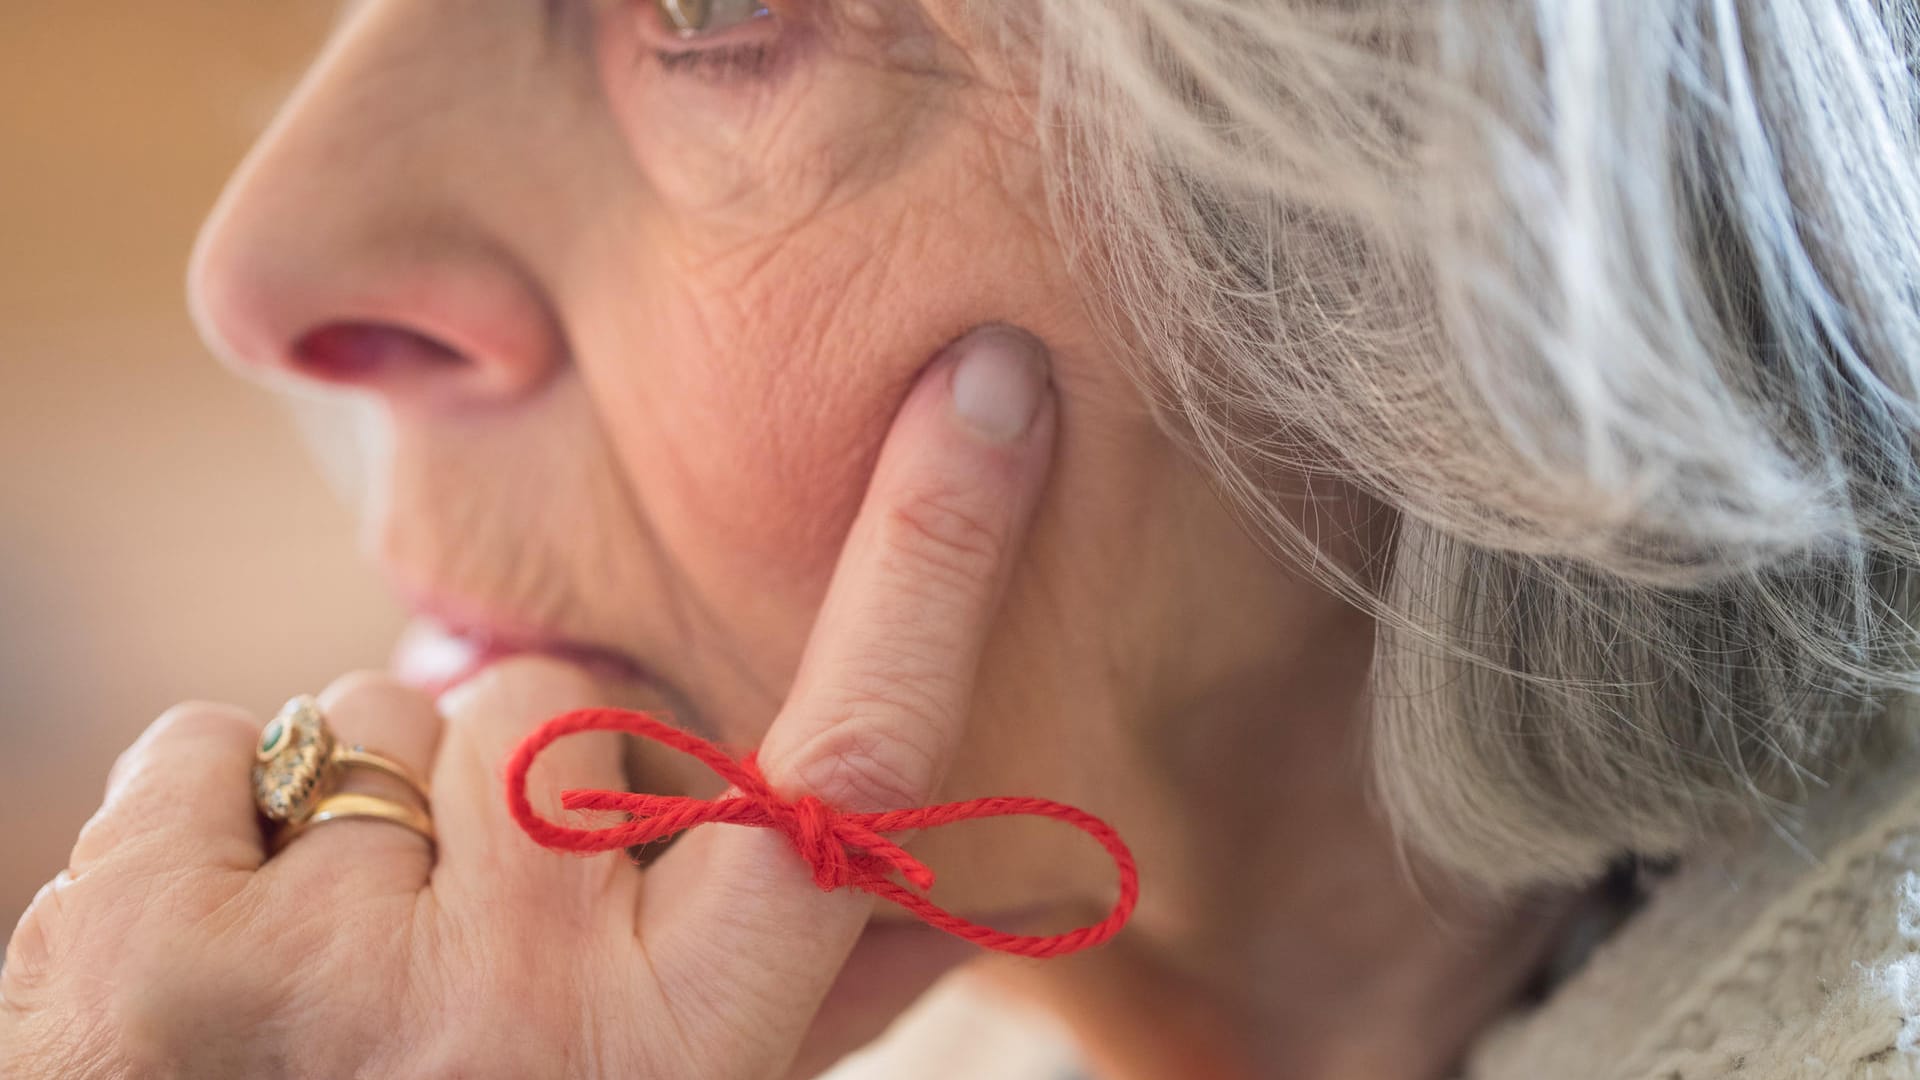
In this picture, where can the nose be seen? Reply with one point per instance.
(357, 245)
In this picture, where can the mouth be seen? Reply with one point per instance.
(437, 652)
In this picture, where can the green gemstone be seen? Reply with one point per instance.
(275, 734)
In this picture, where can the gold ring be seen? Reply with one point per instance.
(298, 763)
(349, 805)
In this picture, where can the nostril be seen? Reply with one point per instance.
(369, 352)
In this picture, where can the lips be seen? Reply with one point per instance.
(435, 656)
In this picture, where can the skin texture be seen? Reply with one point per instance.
(637, 330)
(356, 951)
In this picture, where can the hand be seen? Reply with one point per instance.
(174, 946)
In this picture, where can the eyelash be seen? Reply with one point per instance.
(719, 62)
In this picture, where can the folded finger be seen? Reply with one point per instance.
(391, 722)
(181, 796)
(485, 857)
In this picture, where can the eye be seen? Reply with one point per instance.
(716, 40)
(691, 19)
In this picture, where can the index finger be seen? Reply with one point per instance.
(885, 685)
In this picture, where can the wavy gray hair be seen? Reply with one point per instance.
(1614, 306)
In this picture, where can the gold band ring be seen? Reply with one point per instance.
(350, 805)
(298, 763)
(357, 756)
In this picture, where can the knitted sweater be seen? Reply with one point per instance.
(1795, 953)
(1792, 953)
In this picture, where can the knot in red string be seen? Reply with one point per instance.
(844, 850)
(809, 824)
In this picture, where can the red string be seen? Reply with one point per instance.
(845, 850)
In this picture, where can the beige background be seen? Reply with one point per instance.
(162, 535)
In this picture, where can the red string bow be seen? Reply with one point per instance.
(846, 850)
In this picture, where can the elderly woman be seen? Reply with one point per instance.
(1438, 478)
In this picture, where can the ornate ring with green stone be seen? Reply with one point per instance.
(290, 762)
(298, 763)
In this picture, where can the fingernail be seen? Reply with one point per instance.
(999, 382)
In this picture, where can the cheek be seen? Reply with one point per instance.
(808, 244)
(751, 394)
(747, 419)
(748, 368)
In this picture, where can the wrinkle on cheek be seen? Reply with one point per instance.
(782, 387)
(816, 290)
(815, 433)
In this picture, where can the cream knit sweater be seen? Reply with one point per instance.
(1794, 953)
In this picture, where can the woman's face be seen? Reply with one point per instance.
(639, 311)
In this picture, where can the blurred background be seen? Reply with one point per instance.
(162, 533)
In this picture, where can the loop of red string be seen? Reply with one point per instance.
(845, 850)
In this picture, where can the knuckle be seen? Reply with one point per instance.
(143, 767)
(191, 721)
(33, 953)
(369, 684)
(201, 719)
(945, 531)
(515, 688)
(188, 722)
(539, 674)
(102, 833)
(375, 694)
(866, 765)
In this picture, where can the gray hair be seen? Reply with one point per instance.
(1612, 306)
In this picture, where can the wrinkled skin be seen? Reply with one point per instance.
(173, 946)
(637, 329)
